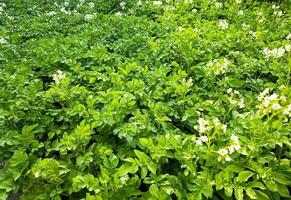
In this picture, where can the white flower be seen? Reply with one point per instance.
(227, 158)
(238, 1)
(199, 142)
(276, 106)
(288, 47)
(278, 52)
(241, 103)
(2, 40)
(66, 3)
(89, 17)
(118, 14)
(236, 147)
(224, 127)
(278, 13)
(194, 10)
(203, 138)
(122, 4)
(139, 3)
(223, 24)
(188, 1)
(288, 36)
(180, 28)
(91, 4)
(263, 94)
(216, 121)
(233, 101)
(273, 97)
(236, 92)
(234, 138)
(287, 111)
(253, 34)
(63, 10)
(157, 3)
(203, 125)
(240, 12)
(51, 13)
(231, 149)
(218, 5)
(58, 76)
(229, 90)
(222, 152)
(245, 26)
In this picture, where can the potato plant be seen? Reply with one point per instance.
(142, 99)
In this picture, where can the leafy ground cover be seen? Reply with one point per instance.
(177, 99)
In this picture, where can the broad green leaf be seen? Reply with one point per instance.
(283, 190)
(228, 191)
(261, 195)
(251, 193)
(154, 190)
(244, 176)
(281, 178)
(238, 193)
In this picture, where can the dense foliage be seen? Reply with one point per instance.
(135, 99)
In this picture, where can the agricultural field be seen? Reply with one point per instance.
(141, 99)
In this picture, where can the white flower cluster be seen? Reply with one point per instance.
(2, 40)
(206, 125)
(157, 3)
(203, 125)
(58, 76)
(218, 124)
(269, 102)
(225, 152)
(2, 6)
(201, 139)
(122, 5)
(89, 17)
(139, 3)
(51, 13)
(275, 53)
(276, 12)
(232, 94)
(241, 12)
(63, 10)
(287, 111)
(288, 36)
(118, 14)
(218, 4)
(253, 34)
(91, 4)
(223, 24)
(245, 26)
(218, 66)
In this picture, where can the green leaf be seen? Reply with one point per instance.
(6, 183)
(283, 190)
(261, 195)
(281, 178)
(271, 185)
(3, 195)
(228, 191)
(238, 193)
(244, 176)
(154, 190)
(251, 193)
(145, 159)
(256, 184)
